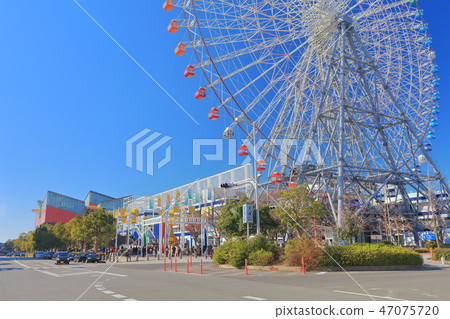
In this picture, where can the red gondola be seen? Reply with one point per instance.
(200, 94)
(276, 178)
(260, 165)
(189, 72)
(291, 185)
(173, 26)
(180, 49)
(168, 5)
(243, 150)
(213, 114)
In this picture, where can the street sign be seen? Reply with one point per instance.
(429, 237)
(247, 213)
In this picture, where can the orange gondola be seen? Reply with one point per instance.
(180, 49)
(173, 26)
(168, 5)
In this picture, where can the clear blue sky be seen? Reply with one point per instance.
(70, 98)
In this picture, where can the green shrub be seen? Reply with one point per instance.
(238, 253)
(303, 247)
(431, 244)
(421, 250)
(221, 254)
(369, 255)
(386, 242)
(261, 258)
(233, 252)
(441, 252)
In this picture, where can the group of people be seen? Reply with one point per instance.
(172, 251)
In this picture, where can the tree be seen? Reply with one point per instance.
(25, 242)
(194, 229)
(44, 238)
(299, 210)
(9, 244)
(230, 219)
(62, 235)
(77, 232)
(98, 224)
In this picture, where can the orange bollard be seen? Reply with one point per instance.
(165, 268)
(303, 266)
(246, 268)
(175, 265)
(201, 266)
(187, 266)
(170, 263)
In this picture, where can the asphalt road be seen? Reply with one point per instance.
(30, 280)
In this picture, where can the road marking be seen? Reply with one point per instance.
(109, 273)
(22, 264)
(49, 273)
(119, 296)
(108, 292)
(253, 298)
(321, 273)
(366, 295)
(130, 299)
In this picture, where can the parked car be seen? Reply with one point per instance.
(80, 257)
(8, 255)
(92, 258)
(17, 254)
(22, 254)
(39, 255)
(71, 257)
(61, 257)
(50, 255)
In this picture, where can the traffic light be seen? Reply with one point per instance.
(226, 185)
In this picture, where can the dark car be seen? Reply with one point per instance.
(92, 258)
(80, 257)
(50, 255)
(9, 255)
(62, 257)
(71, 257)
(39, 255)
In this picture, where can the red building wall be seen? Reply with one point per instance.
(56, 215)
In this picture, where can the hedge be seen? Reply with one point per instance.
(369, 255)
(441, 252)
(259, 252)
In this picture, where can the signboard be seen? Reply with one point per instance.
(429, 237)
(247, 213)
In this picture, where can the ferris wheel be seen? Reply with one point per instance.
(339, 94)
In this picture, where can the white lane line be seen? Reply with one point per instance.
(321, 273)
(109, 273)
(108, 292)
(119, 296)
(253, 298)
(49, 273)
(366, 295)
(130, 299)
(77, 274)
(22, 264)
(101, 288)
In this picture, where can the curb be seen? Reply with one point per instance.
(332, 269)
